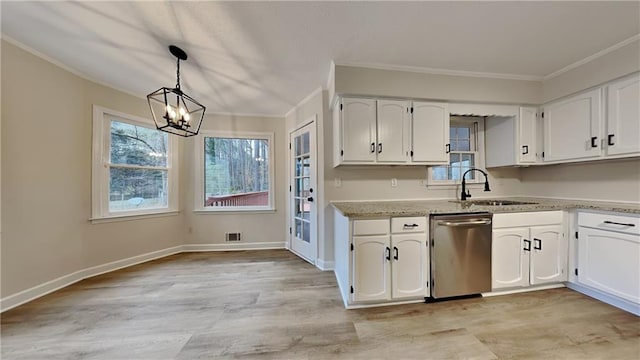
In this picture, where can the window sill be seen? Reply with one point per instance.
(129, 217)
(234, 211)
(457, 185)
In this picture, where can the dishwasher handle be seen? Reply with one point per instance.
(469, 222)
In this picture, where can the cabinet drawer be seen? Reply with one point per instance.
(409, 224)
(536, 218)
(371, 227)
(612, 222)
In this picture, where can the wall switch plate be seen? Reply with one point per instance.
(337, 182)
(394, 182)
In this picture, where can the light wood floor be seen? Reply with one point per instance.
(272, 305)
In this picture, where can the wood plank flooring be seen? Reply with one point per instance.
(272, 305)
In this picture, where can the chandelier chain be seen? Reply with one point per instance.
(178, 74)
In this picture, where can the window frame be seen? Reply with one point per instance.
(479, 158)
(199, 171)
(101, 150)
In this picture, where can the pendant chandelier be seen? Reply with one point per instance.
(174, 111)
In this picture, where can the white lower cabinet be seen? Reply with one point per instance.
(609, 254)
(409, 269)
(528, 249)
(371, 270)
(392, 265)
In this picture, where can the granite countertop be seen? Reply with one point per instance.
(428, 207)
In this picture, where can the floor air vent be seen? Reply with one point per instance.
(232, 236)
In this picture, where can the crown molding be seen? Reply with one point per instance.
(332, 73)
(592, 57)
(315, 92)
(435, 71)
(256, 115)
(64, 67)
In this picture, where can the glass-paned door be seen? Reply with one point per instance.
(303, 193)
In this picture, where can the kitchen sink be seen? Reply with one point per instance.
(494, 202)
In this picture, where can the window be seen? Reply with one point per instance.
(134, 170)
(235, 171)
(465, 138)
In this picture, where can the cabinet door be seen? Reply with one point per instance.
(609, 261)
(393, 131)
(510, 258)
(371, 275)
(623, 121)
(548, 255)
(430, 133)
(409, 266)
(358, 123)
(572, 127)
(527, 134)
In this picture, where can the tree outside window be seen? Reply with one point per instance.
(236, 172)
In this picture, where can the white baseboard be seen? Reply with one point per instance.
(234, 246)
(37, 291)
(522, 290)
(325, 265)
(606, 298)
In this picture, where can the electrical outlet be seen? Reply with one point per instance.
(337, 182)
(394, 182)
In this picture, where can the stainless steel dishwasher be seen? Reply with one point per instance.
(460, 254)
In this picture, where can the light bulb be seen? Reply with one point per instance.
(186, 117)
(182, 112)
(168, 108)
(172, 114)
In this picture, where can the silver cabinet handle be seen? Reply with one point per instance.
(465, 222)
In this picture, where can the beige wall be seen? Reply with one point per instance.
(46, 177)
(375, 82)
(615, 64)
(210, 228)
(617, 180)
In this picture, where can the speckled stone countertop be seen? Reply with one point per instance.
(427, 207)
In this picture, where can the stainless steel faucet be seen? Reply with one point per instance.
(465, 193)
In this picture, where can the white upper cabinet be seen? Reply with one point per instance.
(527, 131)
(623, 116)
(386, 132)
(358, 130)
(596, 124)
(572, 127)
(393, 131)
(512, 137)
(430, 133)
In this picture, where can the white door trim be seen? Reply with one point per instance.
(311, 254)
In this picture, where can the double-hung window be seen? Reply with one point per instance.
(466, 135)
(134, 166)
(235, 171)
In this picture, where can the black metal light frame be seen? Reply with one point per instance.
(174, 111)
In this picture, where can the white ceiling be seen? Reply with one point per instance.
(264, 57)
